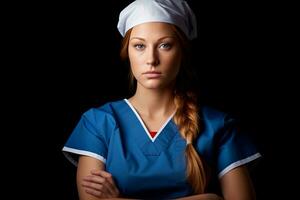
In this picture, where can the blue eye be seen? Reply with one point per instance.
(165, 46)
(139, 46)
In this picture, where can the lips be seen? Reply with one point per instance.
(152, 74)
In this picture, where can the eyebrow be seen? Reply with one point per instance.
(143, 39)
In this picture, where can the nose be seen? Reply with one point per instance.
(152, 56)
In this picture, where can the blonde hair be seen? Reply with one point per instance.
(186, 116)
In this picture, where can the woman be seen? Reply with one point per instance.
(159, 144)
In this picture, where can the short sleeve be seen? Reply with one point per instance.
(235, 147)
(89, 137)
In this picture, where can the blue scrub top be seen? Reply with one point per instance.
(155, 168)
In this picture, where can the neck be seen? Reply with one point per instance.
(153, 102)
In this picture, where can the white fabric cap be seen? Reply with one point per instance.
(175, 12)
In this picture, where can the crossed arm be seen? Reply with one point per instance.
(94, 183)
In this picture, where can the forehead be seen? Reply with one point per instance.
(153, 29)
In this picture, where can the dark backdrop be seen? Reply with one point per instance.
(69, 62)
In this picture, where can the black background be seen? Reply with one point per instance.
(65, 59)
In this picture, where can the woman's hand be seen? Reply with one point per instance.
(100, 184)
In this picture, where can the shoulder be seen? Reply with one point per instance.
(106, 109)
(211, 113)
(102, 114)
(216, 121)
(213, 117)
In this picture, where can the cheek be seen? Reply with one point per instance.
(174, 62)
(174, 72)
(134, 58)
(134, 63)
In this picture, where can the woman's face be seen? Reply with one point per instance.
(155, 55)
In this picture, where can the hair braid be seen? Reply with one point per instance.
(187, 119)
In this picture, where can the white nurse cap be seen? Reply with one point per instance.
(175, 12)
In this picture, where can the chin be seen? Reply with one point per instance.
(155, 85)
(152, 87)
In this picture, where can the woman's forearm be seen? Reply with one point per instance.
(207, 196)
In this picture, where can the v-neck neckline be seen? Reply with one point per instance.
(143, 124)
